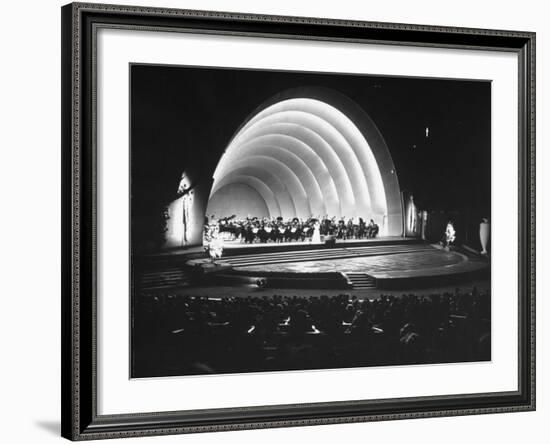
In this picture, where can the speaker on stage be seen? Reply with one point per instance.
(330, 241)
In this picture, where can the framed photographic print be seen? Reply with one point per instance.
(279, 221)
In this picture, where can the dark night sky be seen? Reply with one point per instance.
(184, 115)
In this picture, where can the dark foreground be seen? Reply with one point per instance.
(188, 335)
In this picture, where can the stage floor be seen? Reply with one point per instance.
(431, 262)
(383, 263)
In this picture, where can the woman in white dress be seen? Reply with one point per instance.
(316, 237)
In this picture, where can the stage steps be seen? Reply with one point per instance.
(321, 254)
(361, 281)
(163, 279)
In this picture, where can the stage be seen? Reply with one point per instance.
(384, 263)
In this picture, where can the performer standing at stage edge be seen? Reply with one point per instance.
(316, 237)
(450, 235)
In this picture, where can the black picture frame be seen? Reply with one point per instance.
(79, 169)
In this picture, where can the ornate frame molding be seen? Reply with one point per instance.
(80, 420)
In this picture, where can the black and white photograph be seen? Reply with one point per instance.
(291, 220)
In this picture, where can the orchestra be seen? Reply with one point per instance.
(264, 230)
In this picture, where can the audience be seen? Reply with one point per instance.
(178, 334)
